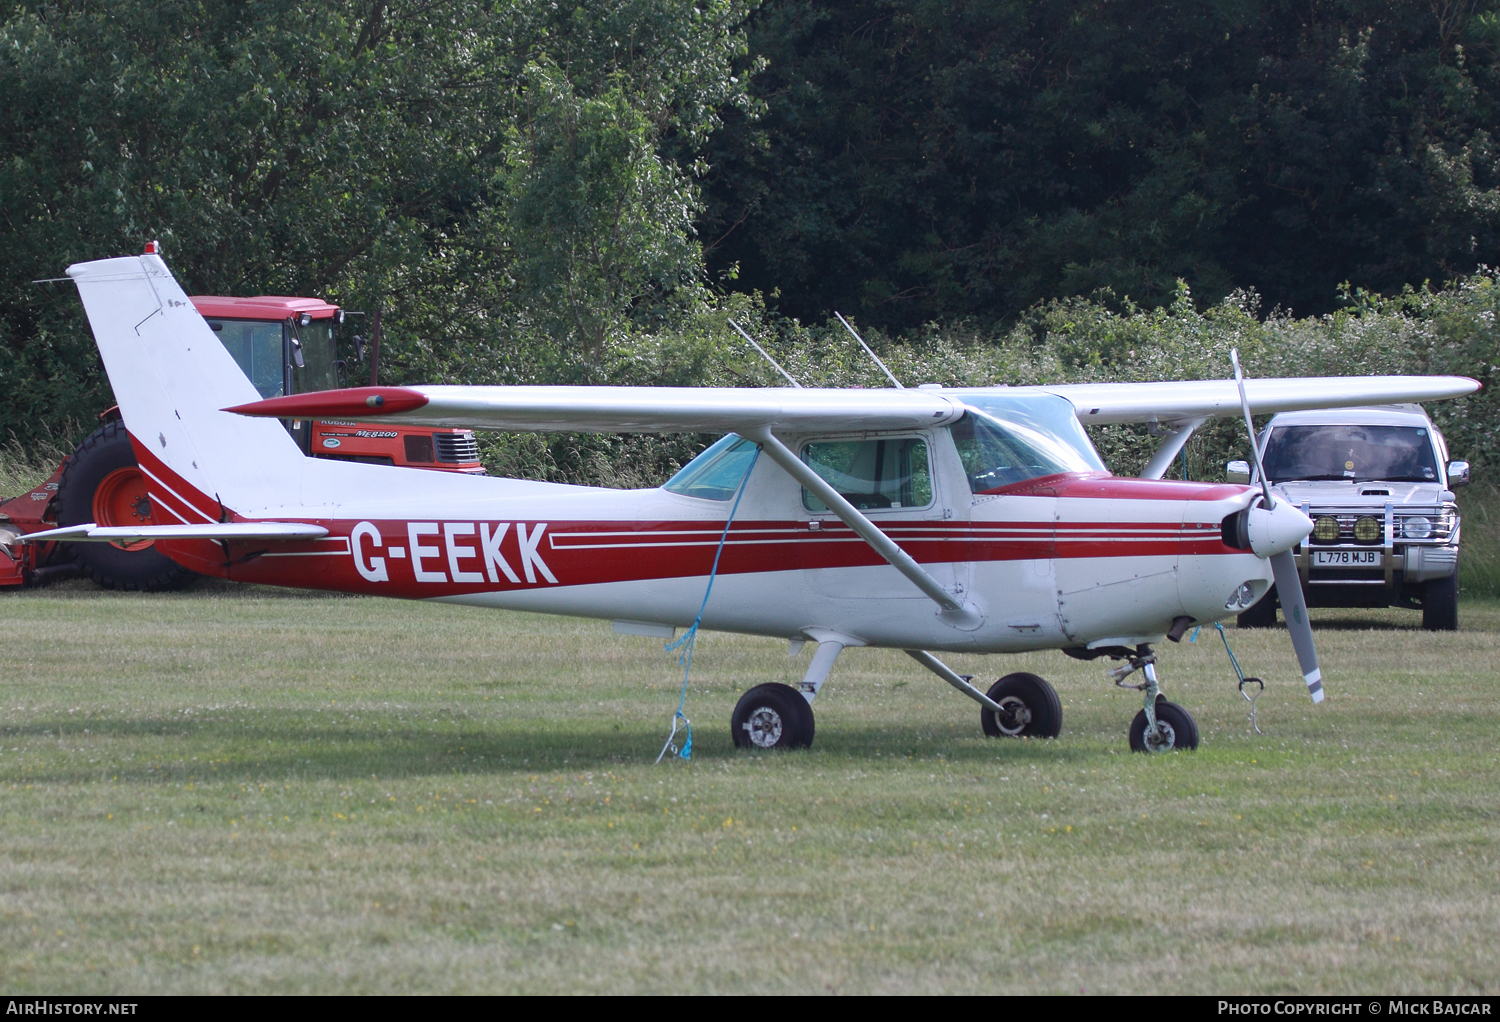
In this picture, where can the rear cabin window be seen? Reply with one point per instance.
(717, 472)
(873, 475)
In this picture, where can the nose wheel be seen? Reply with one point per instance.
(1175, 729)
(1160, 726)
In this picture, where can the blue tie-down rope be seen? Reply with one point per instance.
(689, 638)
(1238, 673)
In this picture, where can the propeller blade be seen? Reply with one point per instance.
(1239, 379)
(1294, 607)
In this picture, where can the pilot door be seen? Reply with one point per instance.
(891, 480)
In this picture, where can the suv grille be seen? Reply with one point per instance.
(456, 447)
(1439, 527)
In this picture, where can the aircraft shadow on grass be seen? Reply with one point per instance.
(293, 748)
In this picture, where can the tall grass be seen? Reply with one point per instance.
(24, 468)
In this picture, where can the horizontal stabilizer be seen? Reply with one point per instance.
(91, 533)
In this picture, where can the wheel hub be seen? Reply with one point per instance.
(1163, 739)
(1014, 717)
(764, 727)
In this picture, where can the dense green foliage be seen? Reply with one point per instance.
(462, 164)
(929, 159)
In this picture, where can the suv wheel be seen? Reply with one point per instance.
(1262, 615)
(1440, 604)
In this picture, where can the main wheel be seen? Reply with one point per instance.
(101, 484)
(1440, 604)
(1177, 729)
(772, 716)
(1032, 708)
(1262, 614)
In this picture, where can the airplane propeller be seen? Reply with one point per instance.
(1267, 533)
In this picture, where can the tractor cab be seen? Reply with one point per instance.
(293, 346)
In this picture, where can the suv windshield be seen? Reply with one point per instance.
(1389, 453)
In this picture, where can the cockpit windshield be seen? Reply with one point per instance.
(1004, 440)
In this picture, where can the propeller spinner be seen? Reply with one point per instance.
(1274, 523)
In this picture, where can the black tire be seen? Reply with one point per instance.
(1262, 614)
(1036, 711)
(1440, 604)
(1178, 728)
(772, 716)
(102, 453)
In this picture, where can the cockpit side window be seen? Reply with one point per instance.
(871, 474)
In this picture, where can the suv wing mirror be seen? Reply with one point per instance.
(1239, 472)
(1458, 474)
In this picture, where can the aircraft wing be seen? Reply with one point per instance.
(1103, 403)
(91, 533)
(623, 409)
(812, 410)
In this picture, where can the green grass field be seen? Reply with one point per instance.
(227, 791)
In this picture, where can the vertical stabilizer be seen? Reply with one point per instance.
(171, 377)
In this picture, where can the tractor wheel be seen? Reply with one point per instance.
(101, 484)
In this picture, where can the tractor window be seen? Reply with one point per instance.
(320, 371)
(716, 473)
(871, 474)
(257, 349)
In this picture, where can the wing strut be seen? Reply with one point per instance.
(1171, 445)
(960, 615)
(953, 678)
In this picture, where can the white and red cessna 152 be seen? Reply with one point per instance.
(976, 520)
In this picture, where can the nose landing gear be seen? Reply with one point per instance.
(1160, 726)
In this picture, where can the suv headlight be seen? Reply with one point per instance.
(1417, 527)
(1368, 530)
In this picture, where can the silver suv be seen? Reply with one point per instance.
(1378, 486)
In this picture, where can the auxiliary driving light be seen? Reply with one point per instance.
(1368, 530)
(1326, 529)
(1419, 527)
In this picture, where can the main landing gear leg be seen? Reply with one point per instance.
(1160, 726)
(777, 716)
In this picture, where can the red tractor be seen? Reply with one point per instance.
(285, 346)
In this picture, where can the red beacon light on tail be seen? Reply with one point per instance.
(153, 248)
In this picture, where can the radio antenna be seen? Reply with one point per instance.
(872, 354)
(765, 356)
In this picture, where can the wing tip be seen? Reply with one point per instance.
(352, 402)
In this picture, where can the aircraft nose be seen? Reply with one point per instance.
(1279, 529)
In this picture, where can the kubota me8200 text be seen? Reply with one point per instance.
(285, 346)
